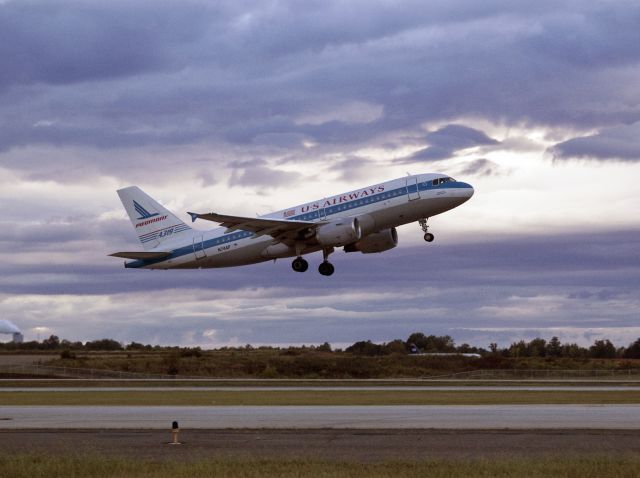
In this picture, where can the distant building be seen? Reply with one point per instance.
(18, 338)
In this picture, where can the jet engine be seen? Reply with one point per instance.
(339, 233)
(377, 242)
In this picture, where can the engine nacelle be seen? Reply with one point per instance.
(339, 233)
(367, 224)
(377, 242)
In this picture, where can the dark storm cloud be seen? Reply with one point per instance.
(354, 168)
(446, 141)
(563, 262)
(618, 143)
(128, 75)
(256, 172)
(558, 281)
(601, 295)
(158, 92)
(61, 235)
(455, 136)
(65, 42)
(481, 167)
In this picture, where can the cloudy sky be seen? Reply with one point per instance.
(245, 107)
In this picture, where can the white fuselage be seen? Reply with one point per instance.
(380, 206)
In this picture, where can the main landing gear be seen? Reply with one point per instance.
(326, 268)
(425, 228)
(299, 264)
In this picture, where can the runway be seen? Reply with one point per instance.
(459, 417)
(462, 388)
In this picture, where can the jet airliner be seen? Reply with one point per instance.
(363, 220)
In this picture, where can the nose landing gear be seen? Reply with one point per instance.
(425, 228)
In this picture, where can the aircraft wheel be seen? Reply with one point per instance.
(429, 237)
(299, 264)
(326, 269)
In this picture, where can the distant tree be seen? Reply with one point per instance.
(325, 347)
(135, 346)
(365, 348)
(103, 344)
(554, 347)
(31, 345)
(602, 349)
(538, 347)
(53, 342)
(440, 343)
(519, 349)
(418, 339)
(191, 352)
(535, 348)
(432, 343)
(493, 347)
(467, 349)
(574, 351)
(395, 346)
(633, 350)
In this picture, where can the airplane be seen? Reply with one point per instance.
(363, 220)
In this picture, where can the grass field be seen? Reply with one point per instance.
(44, 466)
(329, 397)
(426, 383)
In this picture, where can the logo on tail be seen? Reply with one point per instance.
(144, 214)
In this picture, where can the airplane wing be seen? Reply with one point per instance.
(141, 255)
(275, 228)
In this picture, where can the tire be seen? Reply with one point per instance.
(299, 265)
(326, 269)
(429, 237)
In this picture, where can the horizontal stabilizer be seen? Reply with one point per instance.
(142, 256)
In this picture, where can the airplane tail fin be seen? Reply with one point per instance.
(153, 223)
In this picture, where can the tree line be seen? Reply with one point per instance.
(538, 347)
(416, 343)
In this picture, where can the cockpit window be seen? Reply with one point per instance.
(439, 181)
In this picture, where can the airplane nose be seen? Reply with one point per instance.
(466, 191)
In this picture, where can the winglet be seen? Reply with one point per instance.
(194, 216)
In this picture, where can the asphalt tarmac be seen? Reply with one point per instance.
(470, 388)
(454, 417)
